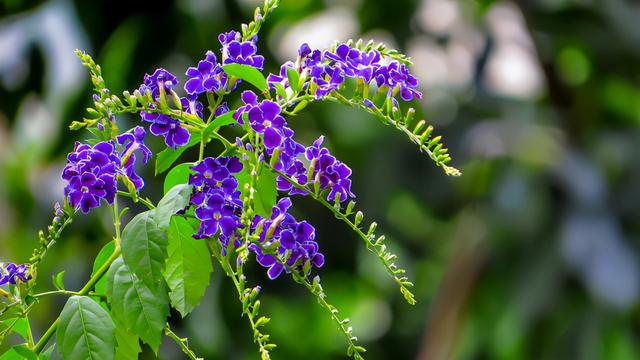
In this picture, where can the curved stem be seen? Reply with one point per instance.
(135, 198)
(214, 248)
(378, 250)
(182, 342)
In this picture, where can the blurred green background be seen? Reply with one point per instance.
(531, 254)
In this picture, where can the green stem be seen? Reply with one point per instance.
(136, 198)
(390, 268)
(182, 342)
(92, 281)
(226, 266)
(321, 297)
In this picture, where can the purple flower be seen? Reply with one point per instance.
(91, 175)
(191, 105)
(397, 76)
(164, 125)
(234, 50)
(296, 245)
(160, 78)
(207, 76)
(10, 272)
(221, 109)
(216, 197)
(264, 118)
(282, 78)
(133, 142)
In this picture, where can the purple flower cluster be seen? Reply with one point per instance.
(91, 171)
(91, 174)
(295, 241)
(216, 198)
(207, 76)
(324, 169)
(328, 71)
(10, 272)
(234, 50)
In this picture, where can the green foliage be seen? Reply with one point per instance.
(144, 249)
(178, 175)
(86, 331)
(188, 269)
(142, 309)
(168, 156)
(247, 73)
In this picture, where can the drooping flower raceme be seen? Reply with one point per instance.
(91, 175)
(216, 198)
(329, 69)
(10, 273)
(133, 142)
(292, 242)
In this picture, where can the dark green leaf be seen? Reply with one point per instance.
(86, 331)
(144, 248)
(247, 73)
(188, 266)
(177, 175)
(25, 352)
(128, 346)
(175, 200)
(168, 156)
(143, 310)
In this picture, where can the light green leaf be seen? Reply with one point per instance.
(142, 309)
(266, 193)
(247, 73)
(178, 175)
(222, 120)
(58, 280)
(101, 258)
(86, 331)
(294, 79)
(168, 156)
(144, 248)
(188, 267)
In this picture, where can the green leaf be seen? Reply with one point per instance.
(22, 327)
(247, 73)
(188, 267)
(222, 120)
(25, 353)
(86, 331)
(177, 175)
(294, 79)
(142, 309)
(175, 200)
(11, 354)
(266, 192)
(128, 346)
(144, 248)
(58, 280)
(168, 156)
(101, 258)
